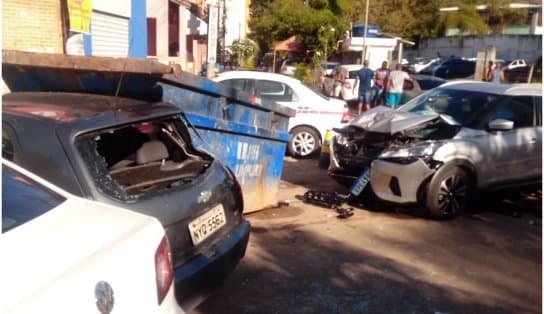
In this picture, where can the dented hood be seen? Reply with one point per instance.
(382, 119)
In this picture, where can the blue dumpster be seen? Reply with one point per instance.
(248, 137)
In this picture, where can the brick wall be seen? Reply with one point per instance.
(32, 25)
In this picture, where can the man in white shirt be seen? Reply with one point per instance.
(395, 85)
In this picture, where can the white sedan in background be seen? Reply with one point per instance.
(64, 254)
(315, 112)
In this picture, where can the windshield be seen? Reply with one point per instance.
(465, 107)
(24, 199)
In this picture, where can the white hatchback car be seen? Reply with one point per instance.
(315, 112)
(65, 254)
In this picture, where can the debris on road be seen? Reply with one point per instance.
(329, 200)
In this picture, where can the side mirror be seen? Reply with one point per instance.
(500, 125)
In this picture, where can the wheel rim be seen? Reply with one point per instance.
(452, 194)
(304, 143)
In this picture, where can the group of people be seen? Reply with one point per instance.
(387, 87)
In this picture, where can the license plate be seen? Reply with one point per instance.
(208, 223)
(361, 182)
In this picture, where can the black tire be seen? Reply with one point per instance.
(448, 193)
(304, 142)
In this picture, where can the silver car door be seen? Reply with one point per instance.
(512, 153)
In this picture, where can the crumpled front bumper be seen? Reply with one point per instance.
(396, 182)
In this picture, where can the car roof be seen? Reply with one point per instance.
(60, 107)
(257, 75)
(500, 89)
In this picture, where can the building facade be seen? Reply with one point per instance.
(176, 33)
(117, 28)
(32, 26)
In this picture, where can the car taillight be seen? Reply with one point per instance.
(347, 84)
(237, 189)
(163, 269)
(345, 114)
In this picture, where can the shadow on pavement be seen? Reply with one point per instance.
(462, 266)
(518, 202)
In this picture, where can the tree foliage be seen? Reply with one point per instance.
(277, 20)
(466, 19)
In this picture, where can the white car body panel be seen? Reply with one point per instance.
(52, 263)
(312, 109)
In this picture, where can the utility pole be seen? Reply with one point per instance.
(363, 51)
(221, 31)
(213, 17)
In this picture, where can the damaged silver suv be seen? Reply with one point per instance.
(442, 146)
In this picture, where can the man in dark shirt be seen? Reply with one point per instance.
(381, 76)
(364, 78)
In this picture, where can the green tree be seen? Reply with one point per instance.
(466, 19)
(410, 19)
(244, 52)
(277, 20)
(498, 15)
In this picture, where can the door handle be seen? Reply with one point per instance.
(532, 141)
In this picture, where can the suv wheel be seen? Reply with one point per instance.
(448, 193)
(304, 142)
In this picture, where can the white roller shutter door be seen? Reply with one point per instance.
(109, 35)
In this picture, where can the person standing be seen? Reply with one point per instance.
(488, 69)
(381, 76)
(496, 75)
(339, 79)
(364, 78)
(395, 85)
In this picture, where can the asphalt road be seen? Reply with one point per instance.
(303, 259)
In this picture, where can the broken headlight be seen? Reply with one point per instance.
(340, 139)
(409, 154)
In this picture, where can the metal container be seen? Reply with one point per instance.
(247, 135)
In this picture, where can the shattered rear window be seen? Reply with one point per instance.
(132, 160)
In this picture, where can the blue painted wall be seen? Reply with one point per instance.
(137, 30)
(88, 44)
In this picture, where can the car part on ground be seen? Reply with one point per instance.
(329, 200)
(86, 263)
(139, 156)
(445, 144)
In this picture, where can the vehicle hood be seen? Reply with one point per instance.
(56, 259)
(382, 119)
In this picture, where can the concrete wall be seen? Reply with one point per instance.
(378, 50)
(509, 47)
(32, 25)
(158, 9)
(236, 22)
